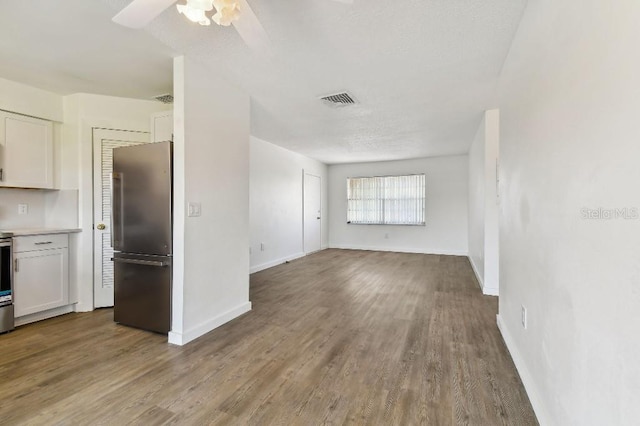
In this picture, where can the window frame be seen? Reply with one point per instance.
(383, 200)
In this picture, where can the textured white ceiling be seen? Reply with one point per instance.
(423, 70)
(71, 46)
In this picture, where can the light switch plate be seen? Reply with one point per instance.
(194, 209)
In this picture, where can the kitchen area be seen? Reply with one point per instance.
(61, 202)
(38, 227)
(46, 196)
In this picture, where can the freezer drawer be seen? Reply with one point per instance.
(142, 287)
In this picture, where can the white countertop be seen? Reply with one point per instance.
(41, 231)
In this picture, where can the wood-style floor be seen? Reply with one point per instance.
(338, 337)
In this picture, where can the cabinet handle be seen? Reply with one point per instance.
(116, 179)
(1, 174)
(41, 243)
(15, 268)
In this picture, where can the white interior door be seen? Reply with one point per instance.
(312, 216)
(104, 141)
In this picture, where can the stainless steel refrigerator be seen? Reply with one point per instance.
(141, 235)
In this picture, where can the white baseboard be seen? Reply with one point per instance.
(525, 375)
(39, 316)
(84, 307)
(400, 249)
(207, 326)
(271, 264)
(475, 271)
(487, 291)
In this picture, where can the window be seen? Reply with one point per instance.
(386, 200)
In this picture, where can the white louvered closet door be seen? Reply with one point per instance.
(104, 141)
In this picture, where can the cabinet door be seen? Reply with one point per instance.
(162, 127)
(41, 281)
(26, 152)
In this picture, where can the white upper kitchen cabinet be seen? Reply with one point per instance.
(26, 152)
(162, 126)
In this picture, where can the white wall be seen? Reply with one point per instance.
(491, 204)
(476, 202)
(27, 100)
(276, 215)
(570, 140)
(82, 112)
(446, 208)
(483, 203)
(211, 167)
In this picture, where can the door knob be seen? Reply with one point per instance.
(101, 226)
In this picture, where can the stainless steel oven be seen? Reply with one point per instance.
(6, 283)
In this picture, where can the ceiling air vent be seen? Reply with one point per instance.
(339, 99)
(165, 99)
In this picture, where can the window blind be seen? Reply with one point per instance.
(386, 200)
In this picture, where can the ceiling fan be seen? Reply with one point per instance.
(139, 13)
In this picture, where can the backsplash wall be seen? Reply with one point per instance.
(46, 209)
(10, 199)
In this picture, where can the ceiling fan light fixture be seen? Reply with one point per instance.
(227, 11)
(225, 17)
(204, 5)
(194, 15)
(225, 4)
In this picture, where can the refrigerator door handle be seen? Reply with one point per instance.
(141, 262)
(116, 209)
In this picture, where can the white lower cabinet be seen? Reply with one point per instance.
(41, 273)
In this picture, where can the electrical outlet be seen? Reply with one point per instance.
(523, 316)
(261, 246)
(23, 208)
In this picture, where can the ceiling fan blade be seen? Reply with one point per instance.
(251, 30)
(140, 12)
